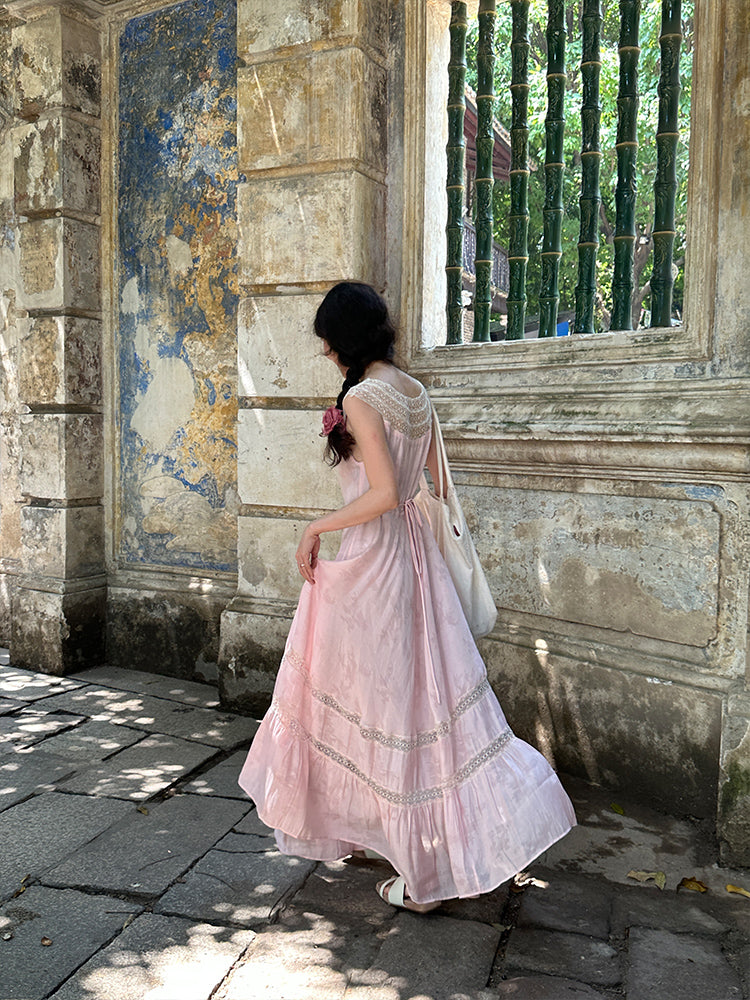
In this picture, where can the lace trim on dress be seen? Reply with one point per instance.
(414, 798)
(393, 742)
(411, 415)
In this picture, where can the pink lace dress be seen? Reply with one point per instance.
(384, 731)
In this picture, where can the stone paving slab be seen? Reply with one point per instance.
(307, 959)
(146, 853)
(428, 956)
(544, 988)
(245, 843)
(28, 771)
(345, 891)
(91, 742)
(240, 889)
(27, 685)
(77, 925)
(157, 685)
(681, 913)
(665, 966)
(576, 904)
(554, 953)
(142, 770)
(11, 705)
(158, 715)
(46, 828)
(29, 726)
(221, 780)
(159, 958)
(252, 824)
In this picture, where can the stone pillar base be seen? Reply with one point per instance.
(252, 644)
(58, 633)
(733, 825)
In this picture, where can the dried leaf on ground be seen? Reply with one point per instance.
(739, 890)
(658, 877)
(692, 883)
(8, 936)
(142, 809)
(46, 942)
(617, 808)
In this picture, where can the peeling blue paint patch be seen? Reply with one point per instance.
(178, 292)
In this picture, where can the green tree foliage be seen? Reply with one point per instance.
(649, 65)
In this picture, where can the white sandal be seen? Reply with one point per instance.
(393, 891)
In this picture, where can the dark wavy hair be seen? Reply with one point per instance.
(354, 321)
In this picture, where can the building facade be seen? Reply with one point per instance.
(179, 185)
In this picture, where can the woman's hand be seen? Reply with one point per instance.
(307, 553)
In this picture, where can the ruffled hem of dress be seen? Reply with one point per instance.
(478, 834)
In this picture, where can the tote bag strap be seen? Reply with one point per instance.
(444, 470)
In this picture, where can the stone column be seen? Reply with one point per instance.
(312, 125)
(731, 94)
(59, 600)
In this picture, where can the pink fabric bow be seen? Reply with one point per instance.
(332, 417)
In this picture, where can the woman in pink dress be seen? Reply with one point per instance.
(384, 734)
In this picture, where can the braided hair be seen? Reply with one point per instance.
(353, 319)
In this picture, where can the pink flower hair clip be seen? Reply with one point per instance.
(333, 417)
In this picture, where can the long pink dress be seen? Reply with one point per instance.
(383, 731)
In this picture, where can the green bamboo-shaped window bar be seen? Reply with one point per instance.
(627, 152)
(554, 167)
(590, 201)
(484, 175)
(455, 150)
(665, 185)
(518, 219)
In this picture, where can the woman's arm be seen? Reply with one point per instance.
(434, 466)
(366, 426)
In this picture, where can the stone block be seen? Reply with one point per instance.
(77, 925)
(62, 455)
(221, 779)
(145, 854)
(60, 361)
(281, 460)
(628, 717)
(734, 791)
(567, 903)
(141, 771)
(28, 685)
(24, 773)
(266, 556)
(156, 715)
(322, 106)
(279, 355)
(664, 966)
(434, 957)
(683, 913)
(632, 564)
(25, 831)
(29, 726)
(57, 633)
(141, 682)
(287, 23)
(91, 742)
(240, 889)
(159, 957)
(59, 265)
(571, 956)
(252, 826)
(63, 542)
(316, 228)
(344, 891)
(543, 988)
(57, 164)
(251, 649)
(66, 70)
(162, 633)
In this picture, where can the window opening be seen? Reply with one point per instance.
(592, 210)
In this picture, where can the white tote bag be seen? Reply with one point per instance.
(446, 518)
